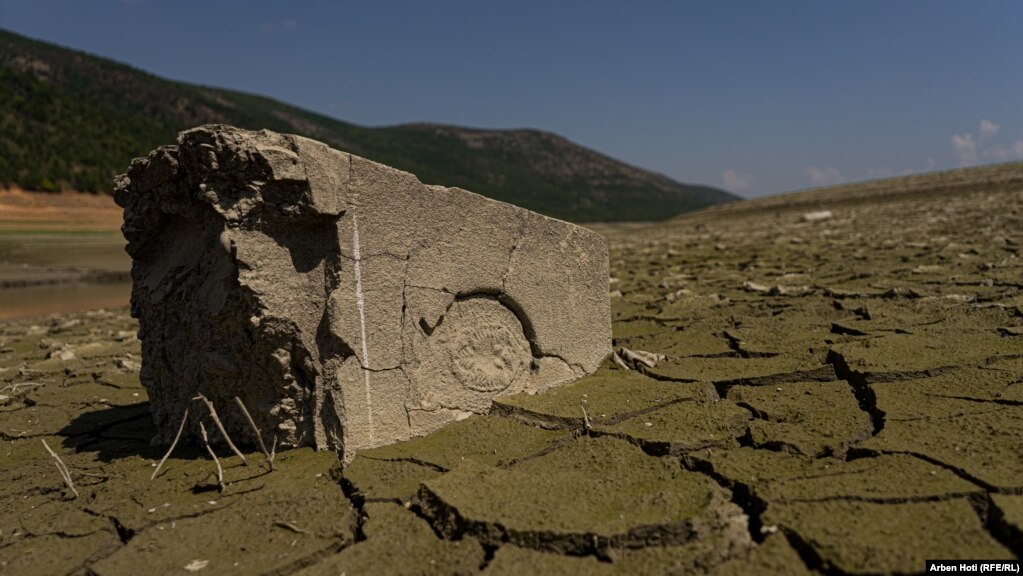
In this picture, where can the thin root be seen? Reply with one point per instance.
(177, 437)
(255, 431)
(619, 362)
(220, 427)
(62, 468)
(290, 526)
(220, 469)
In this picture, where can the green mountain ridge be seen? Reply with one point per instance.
(70, 120)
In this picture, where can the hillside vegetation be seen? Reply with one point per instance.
(70, 120)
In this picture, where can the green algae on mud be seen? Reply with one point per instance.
(270, 522)
(371, 480)
(781, 477)
(608, 396)
(774, 555)
(907, 444)
(485, 439)
(684, 427)
(811, 418)
(691, 558)
(852, 537)
(739, 370)
(574, 499)
(398, 542)
(982, 444)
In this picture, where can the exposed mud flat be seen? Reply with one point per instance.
(839, 395)
(60, 252)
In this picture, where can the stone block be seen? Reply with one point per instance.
(346, 303)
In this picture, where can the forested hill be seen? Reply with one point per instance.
(70, 120)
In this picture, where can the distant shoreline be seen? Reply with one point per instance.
(24, 210)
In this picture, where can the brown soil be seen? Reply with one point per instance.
(21, 210)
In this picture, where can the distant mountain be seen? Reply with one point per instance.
(70, 120)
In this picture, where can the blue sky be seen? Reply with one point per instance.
(754, 96)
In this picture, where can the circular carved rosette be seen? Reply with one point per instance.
(478, 348)
(486, 357)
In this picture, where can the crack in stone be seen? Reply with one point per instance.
(511, 254)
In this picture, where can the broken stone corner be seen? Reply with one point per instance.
(347, 304)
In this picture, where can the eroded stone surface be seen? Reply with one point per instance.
(346, 303)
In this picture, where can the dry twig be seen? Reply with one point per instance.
(220, 426)
(62, 468)
(220, 469)
(648, 359)
(290, 526)
(173, 444)
(255, 430)
(586, 419)
(619, 362)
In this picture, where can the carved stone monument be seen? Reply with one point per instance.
(347, 304)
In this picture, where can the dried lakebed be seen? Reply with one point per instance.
(841, 395)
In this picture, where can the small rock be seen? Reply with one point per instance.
(129, 365)
(62, 354)
(789, 290)
(754, 287)
(816, 216)
(637, 357)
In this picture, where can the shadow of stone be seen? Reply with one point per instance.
(120, 432)
(113, 433)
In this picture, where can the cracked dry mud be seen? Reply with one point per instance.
(840, 396)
